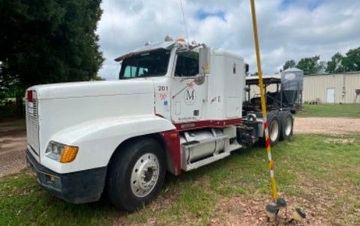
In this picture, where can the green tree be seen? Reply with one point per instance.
(97, 78)
(289, 64)
(335, 64)
(351, 61)
(310, 65)
(47, 41)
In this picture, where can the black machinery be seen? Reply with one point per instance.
(287, 93)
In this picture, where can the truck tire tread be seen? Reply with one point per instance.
(119, 173)
(284, 117)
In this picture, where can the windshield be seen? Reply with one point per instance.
(152, 63)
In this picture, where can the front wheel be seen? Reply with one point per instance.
(136, 174)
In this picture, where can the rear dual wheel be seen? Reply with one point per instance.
(287, 122)
(274, 130)
(280, 127)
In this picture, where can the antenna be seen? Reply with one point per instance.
(185, 25)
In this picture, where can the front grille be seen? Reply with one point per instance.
(32, 125)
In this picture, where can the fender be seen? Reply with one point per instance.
(98, 139)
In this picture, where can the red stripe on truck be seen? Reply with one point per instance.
(172, 142)
(207, 124)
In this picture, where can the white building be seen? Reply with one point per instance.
(326, 88)
(332, 88)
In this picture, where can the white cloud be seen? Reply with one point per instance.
(288, 29)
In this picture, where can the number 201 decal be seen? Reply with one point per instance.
(163, 88)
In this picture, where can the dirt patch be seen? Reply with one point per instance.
(245, 211)
(315, 197)
(12, 147)
(327, 125)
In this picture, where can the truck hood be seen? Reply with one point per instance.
(93, 89)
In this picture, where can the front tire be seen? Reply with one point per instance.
(136, 174)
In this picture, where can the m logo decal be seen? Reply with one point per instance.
(190, 96)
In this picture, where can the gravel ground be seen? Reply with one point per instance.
(335, 126)
(13, 141)
(12, 147)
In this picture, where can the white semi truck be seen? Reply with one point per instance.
(175, 107)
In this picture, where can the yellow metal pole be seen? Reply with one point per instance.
(274, 193)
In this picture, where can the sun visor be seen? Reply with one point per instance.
(146, 48)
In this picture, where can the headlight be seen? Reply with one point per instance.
(61, 152)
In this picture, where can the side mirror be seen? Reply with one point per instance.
(199, 79)
(204, 60)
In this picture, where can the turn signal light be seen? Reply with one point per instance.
(68, 154)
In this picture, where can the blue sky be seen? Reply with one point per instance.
(309, 4)
(202, 14)
(289, 29)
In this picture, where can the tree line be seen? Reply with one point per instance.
(338, 64)
(47, 41)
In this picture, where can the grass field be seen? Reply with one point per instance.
(319, 173)
(331, 110)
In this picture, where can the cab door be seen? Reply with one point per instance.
(188, 89)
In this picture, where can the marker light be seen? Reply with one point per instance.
(61, 152)
(68, 154)
(180, 40)
(30, 95)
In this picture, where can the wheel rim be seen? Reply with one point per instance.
(274, 130)
(144, 175)
(288, 126)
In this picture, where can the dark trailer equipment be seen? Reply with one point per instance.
(287, 94)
